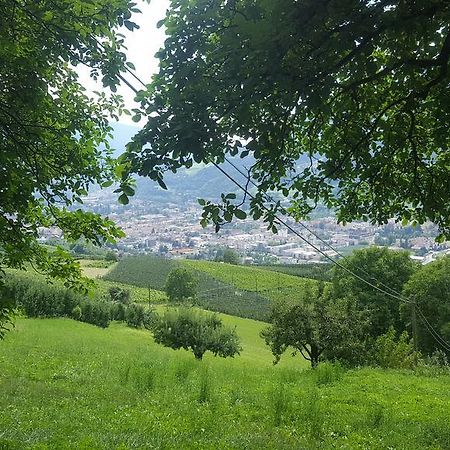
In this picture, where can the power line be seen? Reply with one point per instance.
(395, 294)
(303, 225)
(430, 328)
(289, 227)
(437, 337)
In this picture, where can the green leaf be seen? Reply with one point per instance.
(129, 191)
(240, 214)
(123, 199)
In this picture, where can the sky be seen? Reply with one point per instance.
(142, 44)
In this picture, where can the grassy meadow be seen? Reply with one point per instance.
(69, 385)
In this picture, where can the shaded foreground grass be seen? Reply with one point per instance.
(65, 384)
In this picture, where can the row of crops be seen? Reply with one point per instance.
(316, 271)
(237, 290)
(146, 271)
(270, 284)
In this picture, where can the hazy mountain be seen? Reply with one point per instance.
(187, 184)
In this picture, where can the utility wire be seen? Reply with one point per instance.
(289, 227)
(303, 225)
(396, 294)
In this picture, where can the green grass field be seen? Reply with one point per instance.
(68, 385)
(213, 293)
(95, 268)
(271, 284)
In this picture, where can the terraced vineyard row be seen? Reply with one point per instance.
(149, 271)
(267, 283)
(143, 271)
(237, 290)
(316, 271)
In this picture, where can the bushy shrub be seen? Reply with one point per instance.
(392, 352)
(119, 295)
(438, 358)
(77, 313)
(137, 316)
(119, 312)
(6, 312)
(96, 313)
(196, 331)
(36, 298)
(435, 364)
(39, 299)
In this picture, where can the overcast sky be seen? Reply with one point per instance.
(142, 45)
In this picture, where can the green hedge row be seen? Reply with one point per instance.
(36, 298)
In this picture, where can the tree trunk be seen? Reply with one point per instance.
(315, 353)
(198, 355)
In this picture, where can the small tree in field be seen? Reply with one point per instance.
(318, 327)
(111, 256)
(230, 256)
(195, 331)
(119, 295)
(180, 285)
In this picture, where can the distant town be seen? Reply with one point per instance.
(172, 229)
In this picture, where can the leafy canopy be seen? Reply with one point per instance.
(429, 287)
(181, 284)
(389, 270)
(340, 102)
(318, 327)
(196, 331)
(53, 135)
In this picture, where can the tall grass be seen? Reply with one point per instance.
(114, 388)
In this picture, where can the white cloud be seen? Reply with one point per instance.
(142, 44)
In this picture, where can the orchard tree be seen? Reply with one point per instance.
(111, 256)
(386, 269)
(195, 331)
(318, 327)
(343, 103)
(119, 295)
(230, 256)
(181, 284)
(53, 135)
(429, 288)
(227, 255)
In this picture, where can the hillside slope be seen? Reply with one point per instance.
(243, 291)
(67, 385)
